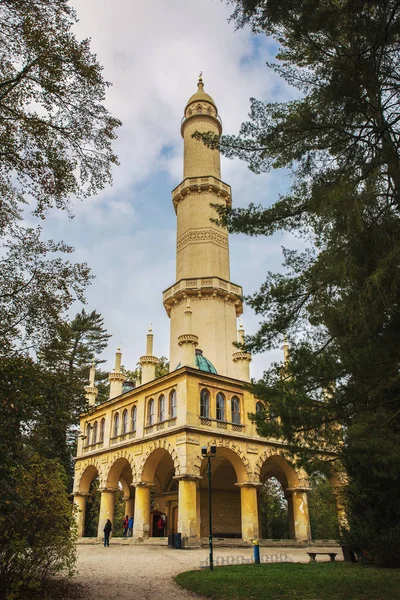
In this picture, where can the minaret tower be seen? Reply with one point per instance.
(202, 258)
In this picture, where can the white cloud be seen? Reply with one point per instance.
(152, 53)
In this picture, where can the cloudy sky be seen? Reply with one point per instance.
(152, 52)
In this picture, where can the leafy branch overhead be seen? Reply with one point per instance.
(55, 133)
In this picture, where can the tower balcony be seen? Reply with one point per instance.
(203, 286)
(202, 184)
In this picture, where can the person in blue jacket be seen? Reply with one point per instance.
(130, 527)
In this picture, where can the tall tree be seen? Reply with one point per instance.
(55, 142)
(338, 300)
(55, 133)
(65, 362)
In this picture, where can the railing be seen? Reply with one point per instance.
(160, 425)
(91, 447)
(229, 425)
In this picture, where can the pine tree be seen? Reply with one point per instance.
(338, 300)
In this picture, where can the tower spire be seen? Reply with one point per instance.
(116, 378)
(148, 362)
(202, 260)
(91, 390)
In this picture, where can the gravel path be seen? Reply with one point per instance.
(146, 572)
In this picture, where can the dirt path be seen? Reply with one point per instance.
(146, 572)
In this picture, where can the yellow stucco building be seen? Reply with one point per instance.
(149, 440)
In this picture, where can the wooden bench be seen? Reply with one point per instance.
(312, 555)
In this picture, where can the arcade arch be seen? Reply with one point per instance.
(294, 489)
(157, 494)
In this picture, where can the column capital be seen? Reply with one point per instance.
(187, 477)
(83, 494)
(302, 488)
(113, 376)
(248, 484)
(143, 484)
(107, 489)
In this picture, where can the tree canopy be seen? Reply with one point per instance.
(56, 140)
(55, 133)
(55, 143)
(337, 301)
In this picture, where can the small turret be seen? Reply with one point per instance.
(188, 341)
(148, 362)
(242, 359)
(116, 378)
(91, 390)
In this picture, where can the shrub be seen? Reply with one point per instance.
(37, 531)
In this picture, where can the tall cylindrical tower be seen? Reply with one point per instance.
(202, 253)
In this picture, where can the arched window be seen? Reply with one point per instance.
(94, 436)
(150, 412)
(172, 404)
(161, 408)
(205, 403)
(87, 434)
(220, 407)
(124, 422)
(102, 428)
(199, 108)
(259, 407)
(116, 424)
(235, 408)
(133, 418)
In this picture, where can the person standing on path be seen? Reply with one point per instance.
(125, 526)
(107, 530)
(130, 527)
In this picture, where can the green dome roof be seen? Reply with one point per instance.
(203, 363)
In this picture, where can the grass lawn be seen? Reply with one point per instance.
(295, 581)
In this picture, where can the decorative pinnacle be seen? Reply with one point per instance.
(200, 84)
(150, 328)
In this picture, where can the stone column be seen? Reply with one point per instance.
(129, 506)
(80, 504)
(168, 515)
(249, 509)
(187, 505)
(288, 496)
(107, 505)
(301, 519)
(198, 492)
(142, 524)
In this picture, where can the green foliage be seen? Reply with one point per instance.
(92, 509)
(322, 509)
(162, 368)
(119, 514)
(274, 511)
(37, 539)
(329, 581)
(338, 300)
(55, 132)
(75, 344)
(55, 140)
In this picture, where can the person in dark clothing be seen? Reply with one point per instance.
(107, 530)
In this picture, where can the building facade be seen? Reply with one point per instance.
(148, 440)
